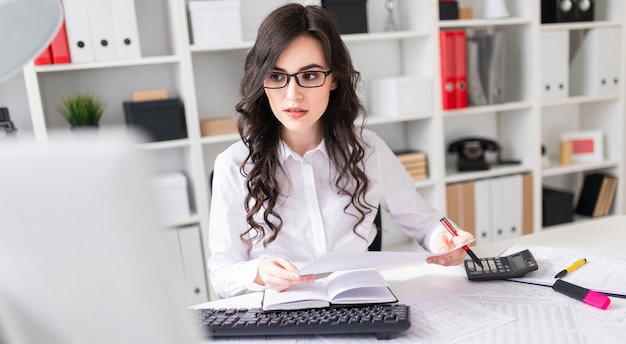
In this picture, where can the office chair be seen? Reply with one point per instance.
(376, 245)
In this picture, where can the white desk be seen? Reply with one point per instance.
(602, 236)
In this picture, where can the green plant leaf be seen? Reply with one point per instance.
(82, 109)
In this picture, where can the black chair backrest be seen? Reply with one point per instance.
(377, 244)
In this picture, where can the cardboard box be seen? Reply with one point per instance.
(215, 21)
(218, 126)
(171, 197)
(396, 96)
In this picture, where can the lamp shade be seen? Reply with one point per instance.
(26, 29)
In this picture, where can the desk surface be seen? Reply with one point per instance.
(413, 282)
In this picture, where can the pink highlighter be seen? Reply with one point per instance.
(590, 297)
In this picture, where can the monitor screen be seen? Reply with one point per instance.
(82, 256)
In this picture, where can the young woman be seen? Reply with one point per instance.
(304, 180)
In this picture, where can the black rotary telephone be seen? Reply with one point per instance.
(471, 153)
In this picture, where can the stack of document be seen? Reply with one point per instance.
(602, 273)
(485, 66)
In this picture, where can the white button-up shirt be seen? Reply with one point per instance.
(314, 220)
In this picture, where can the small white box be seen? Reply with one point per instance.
(396, 96)
(171, 197)
(215, 21)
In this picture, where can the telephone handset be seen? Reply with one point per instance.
(471, 152)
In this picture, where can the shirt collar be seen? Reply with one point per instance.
(285, 151)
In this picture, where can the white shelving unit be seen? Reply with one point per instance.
(207, 78)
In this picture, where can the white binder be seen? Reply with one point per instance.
(78, 31)
(102, 33)
(506, 207)
(555, 64)
(611, 60)
(513, 204)
(595, 64)
(482, 206)
(499, 207)
(126, 33)
(485, 66)
(193, 264)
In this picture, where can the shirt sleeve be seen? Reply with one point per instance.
(231, 270)
(407, 208)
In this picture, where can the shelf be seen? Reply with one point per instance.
(207, 140)
(454, 176)
(580, 99)
(146, 61)
(165, 144)
(580, 25)
(471, 110)
(469, 23)
(377, 120)
(575, 168)
(221, 47)
(379, 36)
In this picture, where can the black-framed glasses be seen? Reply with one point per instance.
(307, 79)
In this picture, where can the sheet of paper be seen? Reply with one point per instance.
(332, 262)
(437, 318)
(603, 273)
(601, 326)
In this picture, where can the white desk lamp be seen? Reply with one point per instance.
(26, 29)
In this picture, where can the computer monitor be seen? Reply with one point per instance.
(82, 253)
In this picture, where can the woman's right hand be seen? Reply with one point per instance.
(279, 274)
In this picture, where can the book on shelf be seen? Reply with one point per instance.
(596, 195)
(415, 163)
(365, 286)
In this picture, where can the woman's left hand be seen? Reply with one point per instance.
(444, 242)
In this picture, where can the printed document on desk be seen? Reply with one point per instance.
(603, 273)
(543, 316)
(332, 262)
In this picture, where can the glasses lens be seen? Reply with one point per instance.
(311, 79)
(276, 80)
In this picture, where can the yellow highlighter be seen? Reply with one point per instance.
(571, 268)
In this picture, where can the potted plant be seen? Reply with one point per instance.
(82, 109)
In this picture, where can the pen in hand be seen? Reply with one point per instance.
(571, 268)
(452, 231)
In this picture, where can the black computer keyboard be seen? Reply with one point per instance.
(382, 320)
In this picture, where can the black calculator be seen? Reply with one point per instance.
(497, 268)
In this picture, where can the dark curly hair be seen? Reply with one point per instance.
(261, 131)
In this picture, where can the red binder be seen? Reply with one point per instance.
(460, 68)
(44, 58)
(59, 49)
(446, 50)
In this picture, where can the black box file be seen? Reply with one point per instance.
(350, 15)
(161, 120)
(558, 207)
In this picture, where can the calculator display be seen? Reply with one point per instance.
(515, 265)
(518, 261)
